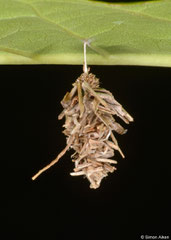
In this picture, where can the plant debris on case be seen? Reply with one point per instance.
(89, 126)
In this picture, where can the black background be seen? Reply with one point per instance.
(133, 201)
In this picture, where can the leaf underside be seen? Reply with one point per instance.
(53, 32)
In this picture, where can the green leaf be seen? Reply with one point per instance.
(53, 32)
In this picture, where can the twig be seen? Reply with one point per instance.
(116, 142)
(54, 161)
(80, 98)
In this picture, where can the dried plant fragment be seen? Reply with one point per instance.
(89, 126)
